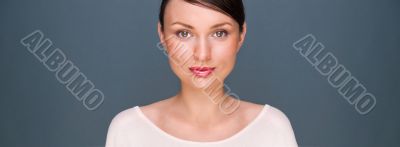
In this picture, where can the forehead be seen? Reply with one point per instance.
(195, 15)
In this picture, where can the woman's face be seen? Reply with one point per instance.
(196, 36)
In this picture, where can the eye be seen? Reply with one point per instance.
(220, 34)
(183, 34)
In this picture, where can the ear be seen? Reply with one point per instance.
(160, 32)
(161, 35)
(242, 35)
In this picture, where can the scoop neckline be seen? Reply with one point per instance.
(237, 134)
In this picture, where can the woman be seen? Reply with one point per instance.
(201, 39)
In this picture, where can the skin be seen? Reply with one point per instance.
(210, 38)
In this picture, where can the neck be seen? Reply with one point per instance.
(198, 104)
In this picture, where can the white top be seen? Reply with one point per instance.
(131, 128)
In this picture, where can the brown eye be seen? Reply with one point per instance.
(220, 34)
(183, 34)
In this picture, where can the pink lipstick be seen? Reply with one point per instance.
(201, 71)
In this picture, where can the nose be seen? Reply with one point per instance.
(202, 50)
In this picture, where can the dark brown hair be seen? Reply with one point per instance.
(232, 8)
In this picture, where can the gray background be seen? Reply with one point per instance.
(114, 45)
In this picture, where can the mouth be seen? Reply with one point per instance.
(201, 71)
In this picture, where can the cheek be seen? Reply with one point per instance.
(178, 51)
(225, 52)
(172, 44)
(180, 57)
(225, 56)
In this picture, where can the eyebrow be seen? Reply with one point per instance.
(191, 27)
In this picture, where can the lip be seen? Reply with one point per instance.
(201, 71)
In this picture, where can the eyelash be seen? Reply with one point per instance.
(179, 34)
(225, 34)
